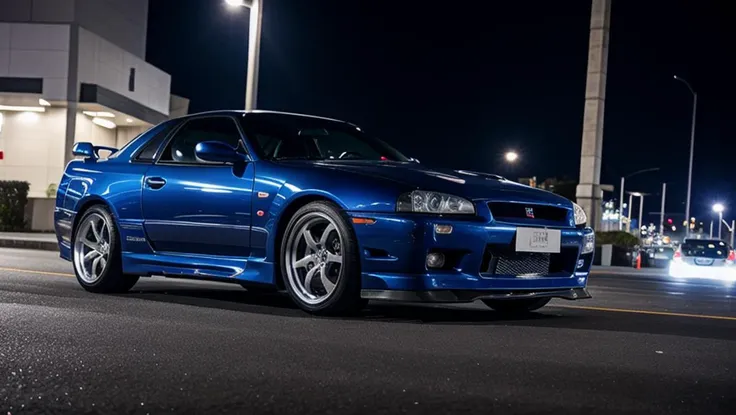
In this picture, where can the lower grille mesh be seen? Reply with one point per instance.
(521, 264)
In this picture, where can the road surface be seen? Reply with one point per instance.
(641, 345)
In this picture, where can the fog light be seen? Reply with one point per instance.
(588, 243)
(435, 260)
(443, 229)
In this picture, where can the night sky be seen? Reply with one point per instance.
(457, 86)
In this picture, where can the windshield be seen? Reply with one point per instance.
(705, 248)
(292, 137)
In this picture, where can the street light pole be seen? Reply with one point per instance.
(718, 208)
(692, 151)
(661, 211)
(254, 49)
(628, 223)
(621, 199)
(641, 212)
(621, 206)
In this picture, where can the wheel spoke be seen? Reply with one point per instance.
(309, 239)
(302, 263)
(326, 234)
(92, 254)
(333, 259)
(103, 263)
(97, 234)
(308, 279)
(329, 285)
(95, 264)
(89, 244)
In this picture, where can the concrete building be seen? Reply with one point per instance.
(74, 70)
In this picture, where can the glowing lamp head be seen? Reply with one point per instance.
(718, 208)
(511, 156)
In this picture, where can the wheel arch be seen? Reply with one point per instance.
(87, 203)
(295, 203)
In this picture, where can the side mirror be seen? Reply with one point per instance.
(217, 152)
(84, 149)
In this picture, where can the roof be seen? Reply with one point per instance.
(221, 112)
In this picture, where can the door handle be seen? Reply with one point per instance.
(155, 182)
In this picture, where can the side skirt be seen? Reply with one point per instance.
(215, 268)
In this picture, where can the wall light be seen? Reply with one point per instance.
(21, 108)
(103, 114)
(129, 120)
(42, 102)
(28, 117)
(102, 122)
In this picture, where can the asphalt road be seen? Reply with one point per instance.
(641, 345)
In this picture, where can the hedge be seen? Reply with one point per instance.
(618, 238)
(13, 199)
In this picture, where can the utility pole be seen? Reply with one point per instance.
(661, 212)
(589, 193)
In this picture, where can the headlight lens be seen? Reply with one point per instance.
(421, 201)
(588, 243)
(580, 217)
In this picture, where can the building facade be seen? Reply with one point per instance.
(74, 70)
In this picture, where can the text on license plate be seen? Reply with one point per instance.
(538, 240)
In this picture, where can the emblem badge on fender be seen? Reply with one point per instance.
(530, 213)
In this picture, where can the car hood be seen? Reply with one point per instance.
(468, 184)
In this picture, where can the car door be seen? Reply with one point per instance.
(197, 207)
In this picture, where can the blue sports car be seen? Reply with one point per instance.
(315, 207)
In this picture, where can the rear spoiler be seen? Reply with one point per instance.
(89, 151)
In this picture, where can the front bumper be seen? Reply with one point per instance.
(395, 247)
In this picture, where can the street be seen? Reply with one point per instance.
(643, 344)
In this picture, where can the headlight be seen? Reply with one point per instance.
(580, 217)
(433, 202)
(588, 243)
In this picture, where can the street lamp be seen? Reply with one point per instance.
(719, 208)
(621, 198)
(511, 156)
(692, 147)
(254, 48)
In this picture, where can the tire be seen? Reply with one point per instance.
(331, 289)
(517, 306)
(96, 236)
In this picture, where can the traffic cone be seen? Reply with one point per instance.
(638, 261)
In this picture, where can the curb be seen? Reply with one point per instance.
(29, 244)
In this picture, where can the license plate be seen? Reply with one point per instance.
(703, 261)
(538, 240)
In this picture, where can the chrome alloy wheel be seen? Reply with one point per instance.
(92, 248)
(314, 258)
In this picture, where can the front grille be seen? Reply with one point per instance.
(504, 260)
(508, 211)
(526, 264)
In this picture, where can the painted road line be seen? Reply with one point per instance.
(654, 313)
(30, 271)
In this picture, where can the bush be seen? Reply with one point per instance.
(13, 199)
(617, 238)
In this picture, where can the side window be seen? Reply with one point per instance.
(181, 147)
(148, 153)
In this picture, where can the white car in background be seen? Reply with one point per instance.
(704, 258)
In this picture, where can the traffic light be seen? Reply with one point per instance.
(669, 221)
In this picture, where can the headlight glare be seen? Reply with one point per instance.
(421, 201)
(580, 217)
